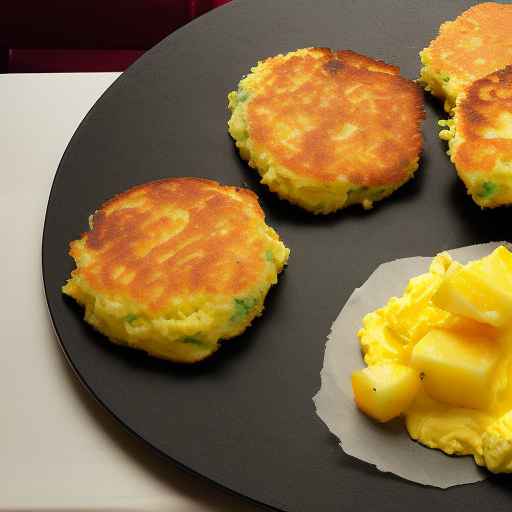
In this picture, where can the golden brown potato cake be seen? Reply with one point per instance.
(173, 266)
(326, 129)
(475, 44)
(480, 138)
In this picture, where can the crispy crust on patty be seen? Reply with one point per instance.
(484, 122)
(476, 43)
(328, 115)
(172, 238)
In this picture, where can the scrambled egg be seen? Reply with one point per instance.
(441, 355)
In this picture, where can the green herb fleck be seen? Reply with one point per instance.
(130, 318)
(197, 343)
(374, 389)
(378, 193)
(357, 190)
(446, 79)
(243, 135)
(488, 189)
(268, 255)
(242, 95)
(242, 308)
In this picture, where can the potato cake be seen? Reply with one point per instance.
(480, 138)
(173, 266)
(475, 44)
(326, 129)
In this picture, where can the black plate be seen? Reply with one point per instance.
(245, 418)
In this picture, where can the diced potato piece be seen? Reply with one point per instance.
(472, 292)
(456, 368)
(498, 265)
(468, 326)
(384, 391)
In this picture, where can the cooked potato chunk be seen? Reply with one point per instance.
(384, 391)
(456, 369)
(472, 292)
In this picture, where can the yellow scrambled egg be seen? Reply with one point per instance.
(441, 355)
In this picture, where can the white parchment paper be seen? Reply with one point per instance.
(387, 446)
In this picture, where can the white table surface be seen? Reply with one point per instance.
(59, 450)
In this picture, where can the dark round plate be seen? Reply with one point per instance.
(245, 418)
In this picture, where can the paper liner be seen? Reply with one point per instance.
(387, 446)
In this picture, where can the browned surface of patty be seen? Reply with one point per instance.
(173, 237)
(317, 96)
(475, 44)
(484, 120)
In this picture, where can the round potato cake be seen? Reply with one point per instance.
(476, 43)
(480, 138)
(326, 129)
(173, 266)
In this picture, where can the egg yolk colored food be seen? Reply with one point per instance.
(441, 355)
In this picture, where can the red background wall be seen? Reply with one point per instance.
(87, 35)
